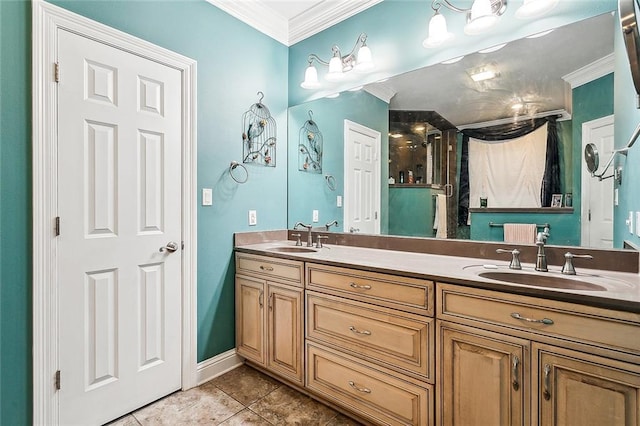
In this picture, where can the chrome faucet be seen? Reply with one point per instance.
(330, 224)
(541, 258)
(309, 238)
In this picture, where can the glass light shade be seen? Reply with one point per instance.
(365, 59)
(438, 32)
(535, 8)
(481, 17)
(335, 69)
(310, 78)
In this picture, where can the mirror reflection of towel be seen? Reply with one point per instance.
(440, 220)
(520, 233)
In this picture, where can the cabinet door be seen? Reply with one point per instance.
(284, 325)
(483, 377)
(250, 325)
(584, 390)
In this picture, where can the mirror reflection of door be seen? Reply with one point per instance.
(597, 195)
(361, 179)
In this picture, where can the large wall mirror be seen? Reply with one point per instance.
(566, 74)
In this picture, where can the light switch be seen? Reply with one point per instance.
(638, 224)
(339, 201)
(207, 196)
(253, 218)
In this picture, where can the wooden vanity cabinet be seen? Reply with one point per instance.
(370, 343)
(269, 320)
(573, 364)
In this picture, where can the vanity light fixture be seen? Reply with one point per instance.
(481, 16)
(359, 60)
(535, 8)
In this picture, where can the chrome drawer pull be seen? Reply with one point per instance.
(361, 287)
(515, 383)
(363, 390)
(356, 331)
(546, 393)
(266, 268)
(545, 321)
(260, 301)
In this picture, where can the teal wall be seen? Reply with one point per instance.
(413, 211)
(234, 62)
(627, 116)
(15, 213)
(308, 191)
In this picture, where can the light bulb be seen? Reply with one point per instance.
(365, 59)
(335, 69)
(438, 32)
(310, 78)
(481, 17)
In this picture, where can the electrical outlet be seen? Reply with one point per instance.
(253, 218)
(339, 201)
(207, 196)
(316, 215)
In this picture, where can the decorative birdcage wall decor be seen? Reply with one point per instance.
(259, 135)
(310, 147)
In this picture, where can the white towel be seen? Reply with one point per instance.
(521, 233)
(441, 218)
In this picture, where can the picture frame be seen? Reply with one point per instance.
(556, 200)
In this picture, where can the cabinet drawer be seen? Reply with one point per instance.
(373, 394)
(395, 339)
(290, 271)
(409, 294)
(584, 324)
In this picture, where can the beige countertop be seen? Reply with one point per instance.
(620, 290)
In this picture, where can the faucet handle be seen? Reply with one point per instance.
(298, 241)
(568, 268)
(319, 239)
(515, 258)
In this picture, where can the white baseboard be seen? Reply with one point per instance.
(218, 365)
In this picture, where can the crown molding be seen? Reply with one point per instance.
(380, 91)
(259, 15)
(593, 71)
(324, 15)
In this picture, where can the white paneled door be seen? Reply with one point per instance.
(119, 195)
(361, 179)
(597, 195)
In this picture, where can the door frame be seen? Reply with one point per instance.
(377, 186)
(46, 20)
(587, 128)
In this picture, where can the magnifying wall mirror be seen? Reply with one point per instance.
(591, 157)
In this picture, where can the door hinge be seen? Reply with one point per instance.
(182, 245)
(375, 215)
(56, 72)
(589, 215)
(57, 380)
(57, 226)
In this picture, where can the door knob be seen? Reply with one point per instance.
(170, 247)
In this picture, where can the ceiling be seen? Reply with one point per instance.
(572, 55)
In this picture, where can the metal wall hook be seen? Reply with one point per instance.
(261, 96)
(234, 165)
(331, 182)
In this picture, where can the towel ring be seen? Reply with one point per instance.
(331, 182)
(234, 165)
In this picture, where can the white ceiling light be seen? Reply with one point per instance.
(359, 59)
(482, 73)
(535, 8)
(482, 15)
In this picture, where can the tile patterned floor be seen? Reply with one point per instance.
(243, 396)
